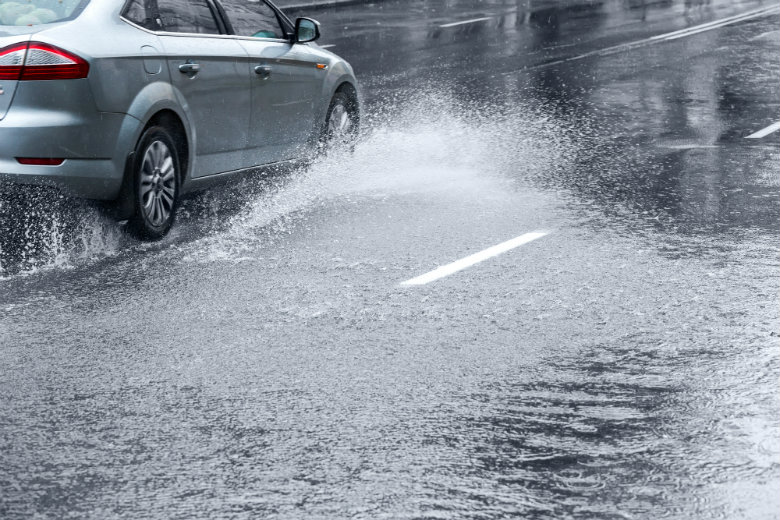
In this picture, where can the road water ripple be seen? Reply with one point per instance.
(633, 375)
(675, 420)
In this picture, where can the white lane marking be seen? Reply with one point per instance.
(765, 132)
(720, 23)
(689, 31)
(689, 146)
(715, 24)
(327, 46)
(470, 260)
(474, 20)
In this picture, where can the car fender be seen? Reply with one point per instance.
(154, 98)
(338, 74)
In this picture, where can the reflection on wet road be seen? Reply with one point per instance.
(263, 360)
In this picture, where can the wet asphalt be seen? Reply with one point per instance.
(265, 360)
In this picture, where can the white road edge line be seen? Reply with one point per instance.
(715, 24)
(474, 20)
(765, 132)
(689, 31)
(470, 260)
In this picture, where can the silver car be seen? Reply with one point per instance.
(141, 101)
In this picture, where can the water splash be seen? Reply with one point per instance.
(41, 229)
(413, 143)
(428, 143)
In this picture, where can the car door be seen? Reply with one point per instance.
(208, 69)
(285, 82)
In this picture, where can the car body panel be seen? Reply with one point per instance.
(92, 167)
(7, 91)
(232, 121)
(339, 73)
(216, 97)
(282, 104)
(8, 86)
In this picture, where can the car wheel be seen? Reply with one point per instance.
(155, 184)
(341, 122)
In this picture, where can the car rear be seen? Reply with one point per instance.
(51, 131)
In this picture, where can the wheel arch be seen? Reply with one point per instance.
(346, 86)
(351, 92)
(171, 121)
(160, 99)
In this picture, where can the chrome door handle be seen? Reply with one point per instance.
(263, 71)
(189, 68)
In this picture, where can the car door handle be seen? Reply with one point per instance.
(263, 71)
(189, 68)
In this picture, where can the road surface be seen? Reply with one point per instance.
(293, 350)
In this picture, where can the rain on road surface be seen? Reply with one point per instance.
(266, 359)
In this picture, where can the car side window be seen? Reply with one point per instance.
(140, 13)
(187, 16)
(253, 18)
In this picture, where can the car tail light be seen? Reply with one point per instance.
(11, 61)
(40, 61)
(48, 62)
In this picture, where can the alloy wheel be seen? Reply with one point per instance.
(158, 183)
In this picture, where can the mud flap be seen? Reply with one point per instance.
(124, 206)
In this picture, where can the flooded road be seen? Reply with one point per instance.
(264, 360)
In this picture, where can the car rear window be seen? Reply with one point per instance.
(37, 12)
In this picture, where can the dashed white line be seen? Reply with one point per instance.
(470, 260)
(327, 46)
(692, 146)
(765, 132)
(464, 22)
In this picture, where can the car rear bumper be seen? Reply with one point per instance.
(90, 178)
(94, 149)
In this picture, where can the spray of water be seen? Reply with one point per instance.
(423, 144)
(41, 229)
(413, 143)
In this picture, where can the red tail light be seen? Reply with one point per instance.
(48, 62)
(12, 60)
(40, 61)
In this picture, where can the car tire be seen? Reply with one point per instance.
(155, 184)
(341, 123)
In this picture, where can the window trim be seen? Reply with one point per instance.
(284, 22)
(126, 5)
(218, 19)
(221, 25)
